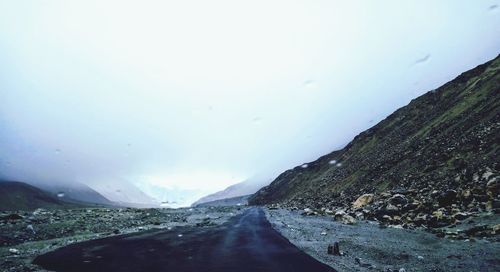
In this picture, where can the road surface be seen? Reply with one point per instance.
(247, 242)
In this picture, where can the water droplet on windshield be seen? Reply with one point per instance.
(164, 204)
(305, 165)
(60, 194)
(179, 235)
(422, 59)
(339, 164)
(332, 162)
(57, 151)
(310, 84)
(493, 7)
(257, 120)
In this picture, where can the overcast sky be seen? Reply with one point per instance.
(192, 96)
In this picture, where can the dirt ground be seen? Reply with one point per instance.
(368, 247)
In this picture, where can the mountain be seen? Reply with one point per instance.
(439, 151)
(239, 189)
(75, 192)
(22, 196)
(233, 201)
(124, 193)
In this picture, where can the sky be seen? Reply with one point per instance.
(184, 98)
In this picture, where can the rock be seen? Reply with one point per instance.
(344, 218)
(308, 211)
(398, 199)
(466, 194)
(475, 230)
(12, 216)
(347, 219)
(391, 209)
(367, 265)
(438, 214)
(447, 198)
(362, 201)
(385, 194)
(334, 249)
(496, 229)
(30, 228)
(461, 216)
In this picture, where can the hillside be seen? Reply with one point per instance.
(439, 151)
(233, 201)
(239, 189)
(21, 196)
(76, 192)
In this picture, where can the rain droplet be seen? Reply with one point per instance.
(332, 162)
(257, 120)
(493, 7)
(58, 150)
(339, 164)
(60, 194)
(164, 204)
(305, 165)
(310, 84)
(179, 235)
(423, 59)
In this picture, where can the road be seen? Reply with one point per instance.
(247, 242)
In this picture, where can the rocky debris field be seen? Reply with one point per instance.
(25, 235)
(351, 244)
(447, 213)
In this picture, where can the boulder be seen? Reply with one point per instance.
(447, 198)
(398, 199)
(344, 218)
(362, 201)
(334, 249)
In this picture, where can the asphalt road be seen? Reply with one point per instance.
(247, 242)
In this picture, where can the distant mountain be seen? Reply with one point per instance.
(233, 201)
(239, 189)
(75, 192)
(124, 193)
(442, 146)
(22, 196)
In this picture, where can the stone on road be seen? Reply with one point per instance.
(247, 242)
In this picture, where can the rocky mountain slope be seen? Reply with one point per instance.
(432, 162)
(21, 196)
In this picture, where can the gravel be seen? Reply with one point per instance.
(366, 246)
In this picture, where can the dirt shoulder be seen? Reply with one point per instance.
(366, 246)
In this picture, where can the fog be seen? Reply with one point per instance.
(183, 98)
